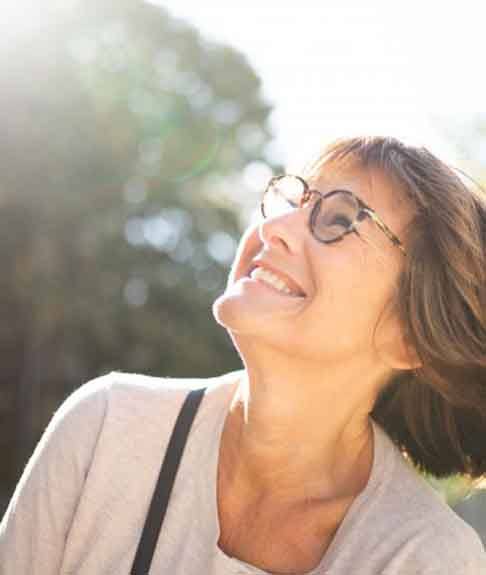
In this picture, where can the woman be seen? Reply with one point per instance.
(357, 306)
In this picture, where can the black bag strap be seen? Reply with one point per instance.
(160, 498)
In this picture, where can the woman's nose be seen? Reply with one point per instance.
(286, 231)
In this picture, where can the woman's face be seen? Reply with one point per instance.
(343, 287)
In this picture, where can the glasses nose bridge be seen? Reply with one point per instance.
(288, 228)
(310, 197)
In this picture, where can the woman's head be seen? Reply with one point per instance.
(417, 317)
(345, 285)
(436, 412)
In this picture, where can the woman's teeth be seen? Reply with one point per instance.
(269, 277)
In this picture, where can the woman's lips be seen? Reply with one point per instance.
(273, 281)
(291, 284)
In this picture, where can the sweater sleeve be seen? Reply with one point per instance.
(35, 526)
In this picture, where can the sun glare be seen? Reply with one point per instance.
(19, 18)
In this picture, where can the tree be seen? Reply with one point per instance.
(121, 127)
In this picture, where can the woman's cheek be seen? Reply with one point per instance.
(249, 246)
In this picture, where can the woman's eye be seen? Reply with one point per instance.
(293, 204)
(340, 220)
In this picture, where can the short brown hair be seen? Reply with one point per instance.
(436, 414)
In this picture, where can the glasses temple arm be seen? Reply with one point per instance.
(385, 229)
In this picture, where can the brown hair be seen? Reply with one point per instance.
(436, 414)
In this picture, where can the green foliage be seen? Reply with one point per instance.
(453, 489)
(116, 120)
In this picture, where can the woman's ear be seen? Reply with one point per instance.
(403, 356)
(392, 346)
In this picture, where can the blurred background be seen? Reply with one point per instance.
(135, 140)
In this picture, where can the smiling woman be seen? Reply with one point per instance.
(357, 307)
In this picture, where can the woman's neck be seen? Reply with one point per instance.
(290, 435)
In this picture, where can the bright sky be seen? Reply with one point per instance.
(411, 69)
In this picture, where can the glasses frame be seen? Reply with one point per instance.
(364, 211)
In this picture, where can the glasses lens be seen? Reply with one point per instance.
(283, 195)
(337, 214)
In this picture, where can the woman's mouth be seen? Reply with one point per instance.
(275, 281)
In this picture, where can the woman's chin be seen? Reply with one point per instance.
(237, 315)
(228, 311)
(248, 305)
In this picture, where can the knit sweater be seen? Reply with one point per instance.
(82, 501)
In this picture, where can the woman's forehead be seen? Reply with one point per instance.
(369, 184)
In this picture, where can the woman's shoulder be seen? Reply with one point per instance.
(437, 542)
(414, 527)
(119, 385)
(117, 419)
(140, 385)
(120, 396)
(166, 387)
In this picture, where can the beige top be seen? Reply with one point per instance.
(81, 503)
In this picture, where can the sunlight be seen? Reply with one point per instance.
(22, 18)
(19, 17)
(348, 68)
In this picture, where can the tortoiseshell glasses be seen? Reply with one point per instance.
(334, 214)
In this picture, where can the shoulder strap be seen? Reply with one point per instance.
(160, 498)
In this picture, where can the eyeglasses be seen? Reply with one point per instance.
(333, 216)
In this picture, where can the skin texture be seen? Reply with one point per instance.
(297, 442)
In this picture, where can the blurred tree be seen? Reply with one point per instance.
(121, 127)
